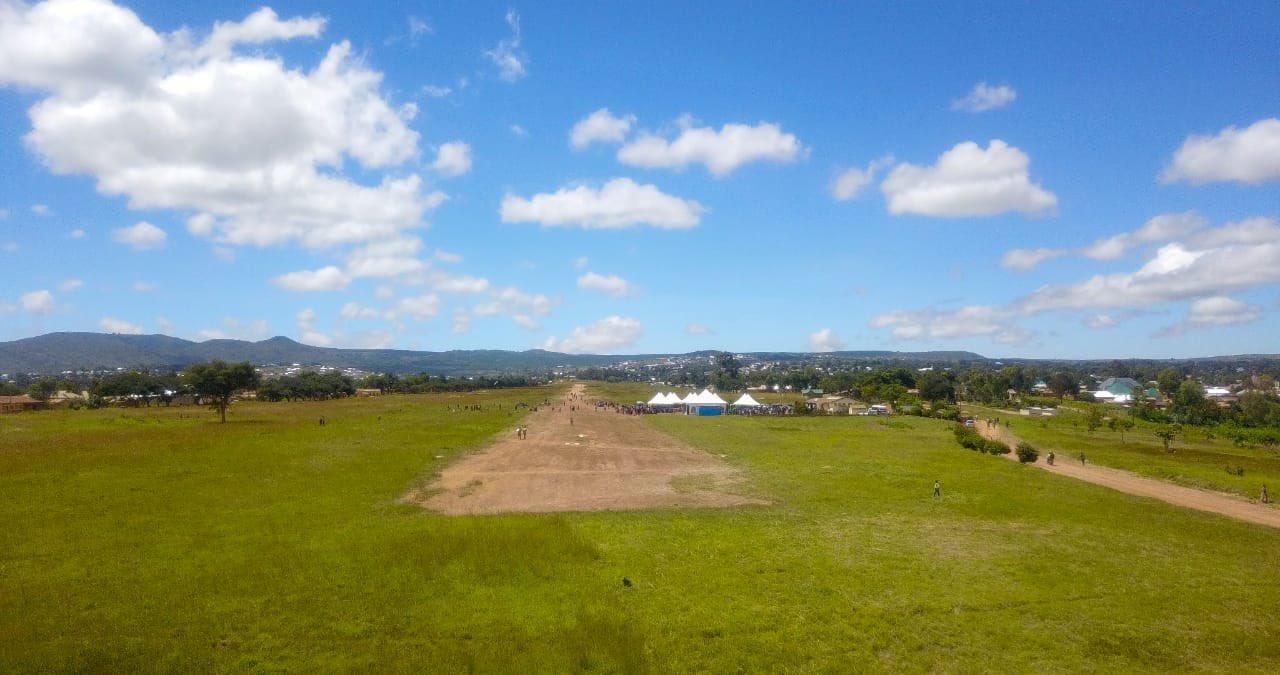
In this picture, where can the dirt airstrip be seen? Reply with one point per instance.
(582, 459)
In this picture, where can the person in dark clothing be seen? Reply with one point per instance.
(937, 488)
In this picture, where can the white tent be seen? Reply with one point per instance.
(704, 403)
(745, 401)
(658, 399)
(705, 397)
(672, 398)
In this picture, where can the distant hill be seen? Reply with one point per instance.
(57, 352)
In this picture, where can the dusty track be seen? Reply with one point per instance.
(1221, 503)
(600, 461)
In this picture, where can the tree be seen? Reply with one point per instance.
(1190, 405)
(1026, 453)
(1168, 380)
(936, 386)
(43, 389)
(1093, 418)
(1258, 409)
(1062, 383)
(1166, 436)
(1123, 424)
(218, 381)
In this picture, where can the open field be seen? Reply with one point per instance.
(160, 540)
(1210, 501)
(1197, 460)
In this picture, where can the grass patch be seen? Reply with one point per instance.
(160, 540)
(1197, 460)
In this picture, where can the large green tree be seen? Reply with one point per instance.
(219, 381)
(1168, 381)
(1063, 383)
(43, 389)
(936, 385)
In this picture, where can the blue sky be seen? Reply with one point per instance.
(1089, 180)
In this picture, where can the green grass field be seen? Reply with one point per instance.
(1197, 460)
(147, 540)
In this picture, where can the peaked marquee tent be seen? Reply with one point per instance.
(745, 401)
(705, 404)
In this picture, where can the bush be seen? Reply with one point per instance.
(1026, 453)
(946, 412)
(968, 438)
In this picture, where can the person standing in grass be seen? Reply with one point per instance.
(1082, 459)
(1266, 498)
(937, 488)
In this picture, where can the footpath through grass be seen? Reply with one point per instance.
(159, 540)
(1197, 460)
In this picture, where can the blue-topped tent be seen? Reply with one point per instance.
(705, 404)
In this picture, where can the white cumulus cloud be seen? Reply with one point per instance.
(720, 151)
(1100, 321)
(620, 203)
(141, 236)
(604, 336)
(969, 321)
(611, 284)
(1213, 311)
(984, 97)
(37, 302)
(113, 325)
(825, 340)
(308, 334)
(418, 307)
(1164, 227)
(1025, 259)
(1250, 155)
(445, 282)
(353, 310)
(393, 257)
(1221, 311)
(256, 148)
(850, 182)
(324, 279)
(1161, 228)
(1201, 267)
(453, 159)
(967, 181)
(600, 126)
(507, 56)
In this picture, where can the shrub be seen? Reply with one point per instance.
(997, 448)
(946, 412)
(968, 438)
(1026, 453)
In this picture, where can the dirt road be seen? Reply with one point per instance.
(1203, 500)
(582, 460)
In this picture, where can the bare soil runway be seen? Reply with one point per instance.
(601, 460)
